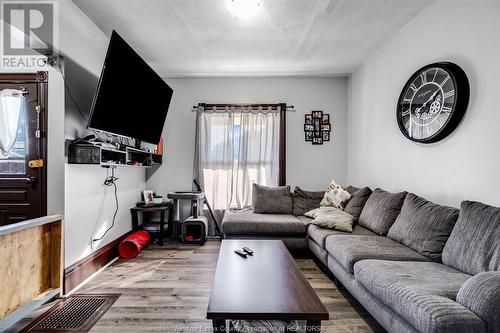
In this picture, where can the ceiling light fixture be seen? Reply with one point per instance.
(243, 9)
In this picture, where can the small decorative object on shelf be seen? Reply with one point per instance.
(317, 127)
(157, 199)
(148, 196)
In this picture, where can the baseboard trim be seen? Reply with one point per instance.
(81, 270)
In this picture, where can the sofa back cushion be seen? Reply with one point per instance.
(358, 199)
(304, 201)
(271, 200)
(352, 189)
(424, 226)
(380, 210)
(474, 243)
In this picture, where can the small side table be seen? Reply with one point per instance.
(164, 209)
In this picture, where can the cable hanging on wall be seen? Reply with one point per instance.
(110, 181)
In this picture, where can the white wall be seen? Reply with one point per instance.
(83, 46)
(308, 166)
(90, 206)
(465, 165)
(55, 144)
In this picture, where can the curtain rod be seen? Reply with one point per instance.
(206, 106)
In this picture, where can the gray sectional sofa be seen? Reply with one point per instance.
(414, 265)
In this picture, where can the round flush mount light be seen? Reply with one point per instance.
(243, 9)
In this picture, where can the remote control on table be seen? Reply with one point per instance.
(240, 253)
(247, 250)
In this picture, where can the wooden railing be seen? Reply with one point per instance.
(31, 263)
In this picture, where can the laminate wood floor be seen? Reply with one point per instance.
(166, 289)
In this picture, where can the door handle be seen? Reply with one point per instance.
(31, 181)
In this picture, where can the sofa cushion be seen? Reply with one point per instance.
(352, 189)
(357, 202)
(246, 222)
(319, 234)
(424, 226)
(304, 201)
(304, 219)
(423, 293)
(481, 294)
(331, 218)
(381, 210)
(474, 246)
(348, 250)
(335, 196)
(271, 200)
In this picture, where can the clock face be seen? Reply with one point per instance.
(433, 102)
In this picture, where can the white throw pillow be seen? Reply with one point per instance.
(335, 196)
(331, 218)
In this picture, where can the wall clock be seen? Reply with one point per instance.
(433, 102)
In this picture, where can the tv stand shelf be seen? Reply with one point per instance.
(111, 157)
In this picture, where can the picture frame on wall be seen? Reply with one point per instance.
(317, 141)
(317, 127)
(309, 136)
(317, 114)
(309, 127)
(317, 124)
(326, 136)
(326, 118)
(308, 119)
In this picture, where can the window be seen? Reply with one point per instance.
(13, 160)
(236, 148)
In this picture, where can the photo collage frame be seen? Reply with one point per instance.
(317, 127)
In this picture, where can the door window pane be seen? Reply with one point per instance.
(15, 162)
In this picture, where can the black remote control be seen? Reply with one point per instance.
(247, 250)
(240, 253)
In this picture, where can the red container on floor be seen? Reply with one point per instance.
(131, 246)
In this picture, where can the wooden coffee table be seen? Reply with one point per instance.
(266, 286)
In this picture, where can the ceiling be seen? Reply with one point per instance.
(285, 37)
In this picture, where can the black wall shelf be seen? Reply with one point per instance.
(111, 157)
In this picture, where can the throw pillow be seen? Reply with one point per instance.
(304, 201)
(352, 189)
(474, 246)
(335, 196)
(424, 226)
(357, 201)
(271, 200)
(381, 210)
(331, 218)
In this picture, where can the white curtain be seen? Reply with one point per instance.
(10, 112)
(234, 150)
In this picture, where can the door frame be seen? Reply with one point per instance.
(40, 78)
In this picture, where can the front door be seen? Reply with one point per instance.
(23, 168)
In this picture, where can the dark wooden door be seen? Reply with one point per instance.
(22, 178)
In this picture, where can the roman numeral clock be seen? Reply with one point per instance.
(433, 102)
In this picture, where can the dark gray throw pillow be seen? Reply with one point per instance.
(424, 226)
(357, 201)
(352, 189)
(474, 243)
(304, 201)
(381, 210)
(271, 200)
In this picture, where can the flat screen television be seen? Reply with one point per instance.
(131, 100)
